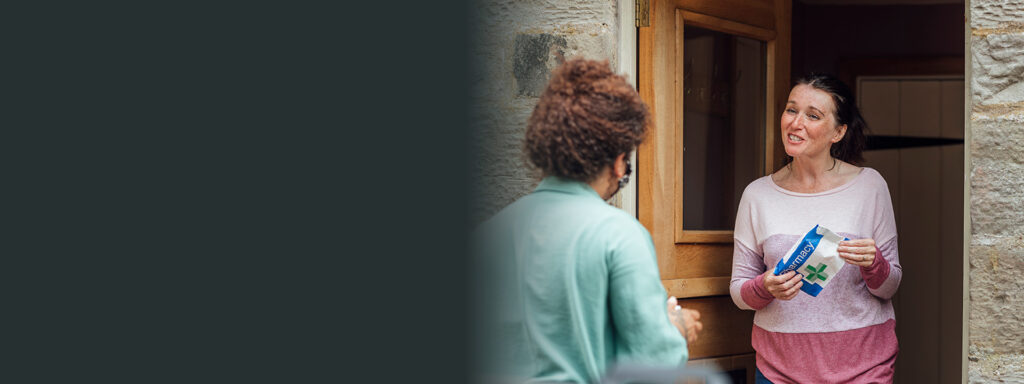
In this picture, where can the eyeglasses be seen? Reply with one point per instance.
(625, 179)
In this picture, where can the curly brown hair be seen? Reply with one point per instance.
(585, 118)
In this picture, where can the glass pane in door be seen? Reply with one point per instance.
(724, 90)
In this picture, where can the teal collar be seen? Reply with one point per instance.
(572, 187)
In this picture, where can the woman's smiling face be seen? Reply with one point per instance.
(808, 123)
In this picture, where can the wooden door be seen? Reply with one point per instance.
(919, 119)
(715, 128)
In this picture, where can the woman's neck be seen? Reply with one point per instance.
(603, 186)
(810, 175)
(812, 169)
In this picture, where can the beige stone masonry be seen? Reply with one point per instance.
(514, 47)
(996, 314)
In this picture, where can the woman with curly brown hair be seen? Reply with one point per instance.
(578, 278)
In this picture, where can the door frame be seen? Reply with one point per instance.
(626, 65)
(628, 58)
(965, 298)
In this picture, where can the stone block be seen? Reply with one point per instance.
(997, 293)
(534, 58)
(997, 201)
(999, 139)
(997, 168)
(1012, 94)
(997, 69)
(996, 13)
(500, 174)
(994, 368)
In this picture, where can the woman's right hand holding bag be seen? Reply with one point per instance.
(784, 286)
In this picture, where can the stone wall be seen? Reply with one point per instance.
(516, 44)
(996, 330)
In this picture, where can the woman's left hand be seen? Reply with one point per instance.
(859, 252)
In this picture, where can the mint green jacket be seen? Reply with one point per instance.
(577, 287)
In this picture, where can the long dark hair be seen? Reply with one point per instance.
(850, 149)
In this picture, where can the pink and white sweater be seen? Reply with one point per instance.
(847, 333)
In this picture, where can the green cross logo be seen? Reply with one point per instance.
(817, 273)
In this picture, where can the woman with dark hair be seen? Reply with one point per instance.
(847, 333)
(577, 279)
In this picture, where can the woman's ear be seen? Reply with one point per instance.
(619, 166)
(840, 132)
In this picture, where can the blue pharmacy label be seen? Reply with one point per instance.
(799, 257)
(801, 253)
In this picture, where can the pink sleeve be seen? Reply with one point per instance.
(884, 275)
(747, 287)
(754, 294)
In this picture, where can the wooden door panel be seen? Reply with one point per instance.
(697, 286)
(696, 265)
(919, 105)
(726, 327)
(951, 269)
(951, 113)
(758, 13)
(880, 105)
(920, 257)
(926, 185)
(702, 260)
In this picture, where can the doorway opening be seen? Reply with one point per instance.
(905, 65)
(716, 73)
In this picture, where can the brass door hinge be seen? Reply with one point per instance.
(643, 13)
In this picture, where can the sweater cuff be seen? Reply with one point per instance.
(876, 274)
(754, 294)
